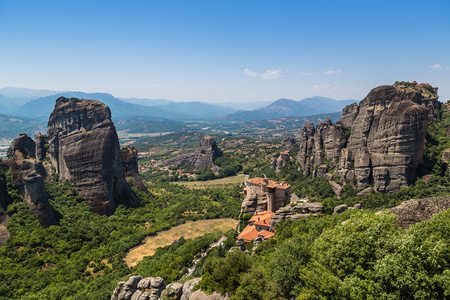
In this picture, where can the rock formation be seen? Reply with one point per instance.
(129, 156)
(296, 212)
(202, 158)
(84, 149)
(27, 174)
(153, 288)
(4, 234)
(263, 194)
(41, 145)
(280, 162)
(379, 142)
(417, 210)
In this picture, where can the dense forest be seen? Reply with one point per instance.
(354, 255)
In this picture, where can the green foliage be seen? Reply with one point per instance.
(223, 274)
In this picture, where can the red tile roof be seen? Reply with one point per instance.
(269, 183)
(266, 234)
(248, 234)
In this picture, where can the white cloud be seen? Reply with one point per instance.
(271, 74)
(305, 74)
(154, 85)
(436, 66)
(332, 72)
(322, 87)
(250, 73)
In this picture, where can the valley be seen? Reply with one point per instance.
(154, 211)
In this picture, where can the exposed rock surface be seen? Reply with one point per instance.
(296, 212)
(84, 149)
(288, 143)
(202, 158)
(4, 234)
(384, 145)
(129, 156)
(340, 208)
(23, 143)
(280, 162)
(417, 210)
(153, 288)
(28, 174)
(41, 145)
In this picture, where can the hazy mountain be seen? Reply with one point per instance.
(145, 101)
(245, 105)
(200, 110)
(290, 108)
(42, 107)
(12, 98)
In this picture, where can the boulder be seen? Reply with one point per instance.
(296, 212)
(340, 208)
(84, 149)
(188, 288)
(417, 210)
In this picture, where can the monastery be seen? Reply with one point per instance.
(262, 198)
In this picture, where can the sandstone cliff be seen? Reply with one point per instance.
(379, 142)
(28, 174)
(84, 149)
(202, 158)
(130, 167)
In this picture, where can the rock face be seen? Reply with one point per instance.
(129, 157)
(28, 174)
(417, 210)
(4, 234)
(84, 149)
(299, 211)
(153, 288)
(202, 158)
(379, 142)
(41, 142)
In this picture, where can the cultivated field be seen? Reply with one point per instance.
(216, 183)
(189, 230)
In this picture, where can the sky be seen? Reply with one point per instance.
(224, 51)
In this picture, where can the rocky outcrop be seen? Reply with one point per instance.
(41, 145)
(23, 143)
(379, 142)
(4, 234)
(296, 212)
(202, 158)
(288, 143)
(129, 156)
(280, 162)
(153, 288)
(417, 210)
(84, 149)
(28, 174)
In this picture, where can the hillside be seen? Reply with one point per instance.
(350, 255)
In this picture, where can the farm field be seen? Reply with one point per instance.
(190, 230)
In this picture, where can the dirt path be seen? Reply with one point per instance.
(189, 230)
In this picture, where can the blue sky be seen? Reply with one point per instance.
(219, 51)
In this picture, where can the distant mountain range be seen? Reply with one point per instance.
(291, 108)
(38, 104)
